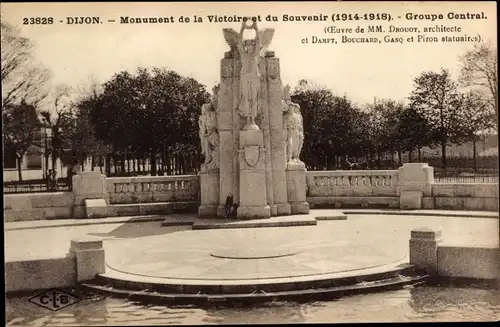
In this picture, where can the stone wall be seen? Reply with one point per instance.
(127, 196)
(468, 262)
(429, 254)
(83, 262)
(40, 274)
(38, 206)
(470, 196)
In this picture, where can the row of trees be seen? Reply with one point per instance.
(153, 113)
(137, 116)
(150, 114)
(439, 112)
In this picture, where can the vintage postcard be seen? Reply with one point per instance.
(250, 162)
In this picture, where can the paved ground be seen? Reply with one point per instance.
(361, 238)
(290, 251)
(191, 217)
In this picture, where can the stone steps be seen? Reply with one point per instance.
(318, 202)
(210, 286)
(155, 208)
(395, 278)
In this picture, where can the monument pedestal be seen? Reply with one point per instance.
(209, 186)
(252, 159)
(296, 187)
(283, 209)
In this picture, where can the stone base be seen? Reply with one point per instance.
(253, 212)
(96, 208)
(299, 208)
(207, 211)
(284, 209)
(410, 200)
(423, 249)
(296, 187)
(218, 223)
(274, 210)
(221, 211)
(90, 260)
(209, 186)
(295, 165)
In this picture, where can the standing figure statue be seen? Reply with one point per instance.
(300, 126)
(249, 102)
(293, 129)
(208, 132)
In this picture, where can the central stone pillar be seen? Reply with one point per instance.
(277, 141)
(228, 125)
(252, 160)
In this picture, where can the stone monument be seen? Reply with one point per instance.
(252, 135)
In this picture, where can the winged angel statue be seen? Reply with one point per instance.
(249, 50)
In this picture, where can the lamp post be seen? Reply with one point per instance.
(45, 151)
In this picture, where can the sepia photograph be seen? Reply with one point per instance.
(250, 162)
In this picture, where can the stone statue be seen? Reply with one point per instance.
(293, 128)
(208, 132)
(249, 51)
(300, 126)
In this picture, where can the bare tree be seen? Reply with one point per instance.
(16, 50)
(22, 78)
(480, 71)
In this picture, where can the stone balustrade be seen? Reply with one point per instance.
(339, 183)
(148, 189)
(410, 187)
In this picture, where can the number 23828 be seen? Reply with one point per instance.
(38, 20)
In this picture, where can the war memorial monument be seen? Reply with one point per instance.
(252, 135)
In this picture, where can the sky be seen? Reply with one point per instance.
(75, 53)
